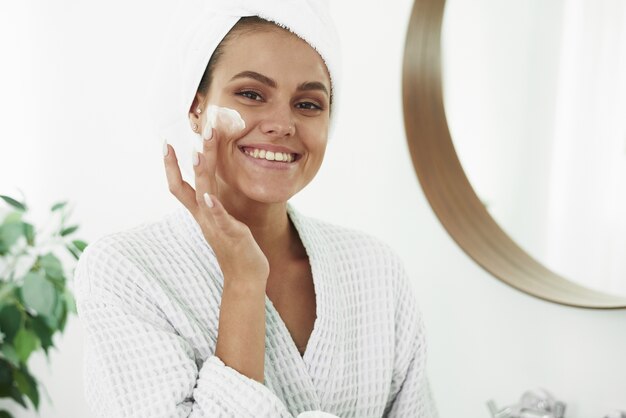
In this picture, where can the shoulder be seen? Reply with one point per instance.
(122, 258)
(360, 252)
(366, 256)
(348, 241)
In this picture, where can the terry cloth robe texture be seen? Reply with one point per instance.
(148, 299)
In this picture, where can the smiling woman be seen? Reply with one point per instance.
(275, 92)
(238, 305)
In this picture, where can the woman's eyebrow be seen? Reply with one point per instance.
(313, 85)
(309, 85)
(256, 76)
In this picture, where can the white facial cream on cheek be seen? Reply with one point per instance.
(227, 120)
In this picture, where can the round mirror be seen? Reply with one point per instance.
(517, 123)
(535, 98)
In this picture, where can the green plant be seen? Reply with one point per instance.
(34, 300)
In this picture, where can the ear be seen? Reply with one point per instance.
(198, 103)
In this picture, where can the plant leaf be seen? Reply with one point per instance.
(18, 205)
(38, 293)
(58, 206)
(10, 321)
(6, 291)
(27, 385)
(17, 396)
(52, 266)
(14, 216)
(8, 352)
(5, 414)
(59, 284)
(29, 233)
(81, 245)
(52, 322)
(6, 373)
(70, 301)
(39, 326)
(25, 343)
(60, 315)
(11, 232)
(73, 251)
(69, 230)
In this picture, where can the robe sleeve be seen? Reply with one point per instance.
(411, 393)
(137, 365)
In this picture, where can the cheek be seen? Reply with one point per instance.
(227, 99)
(315, 136)
(248, 114)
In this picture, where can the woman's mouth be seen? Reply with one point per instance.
(273, 156)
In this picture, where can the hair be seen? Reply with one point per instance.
(243, 26)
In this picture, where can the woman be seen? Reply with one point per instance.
(237, 305)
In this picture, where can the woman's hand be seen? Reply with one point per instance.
(238, 254)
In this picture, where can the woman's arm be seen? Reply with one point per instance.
(241, 331)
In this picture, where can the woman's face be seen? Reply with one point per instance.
(281, 88)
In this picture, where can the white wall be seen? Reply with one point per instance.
(74, 125)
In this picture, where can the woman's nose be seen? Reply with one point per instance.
(279, 122)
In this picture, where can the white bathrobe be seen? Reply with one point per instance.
(149, 299)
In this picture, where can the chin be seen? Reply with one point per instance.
(264, 195)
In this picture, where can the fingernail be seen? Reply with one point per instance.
(166, 150)
(208, 200)
(195, 158)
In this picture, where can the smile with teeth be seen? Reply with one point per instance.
(269, 155)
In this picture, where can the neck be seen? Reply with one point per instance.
(269, 224)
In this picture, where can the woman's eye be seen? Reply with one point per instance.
(308, 106)
(250, 95)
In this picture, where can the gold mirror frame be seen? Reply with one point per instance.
(446, 186)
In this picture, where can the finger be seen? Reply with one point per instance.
(209, 150)
(203, 175)
(177, 186)
(222, 219)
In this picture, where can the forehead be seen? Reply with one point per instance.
(274, 52)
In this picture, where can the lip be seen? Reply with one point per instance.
(270, 147)
(277, 165)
